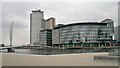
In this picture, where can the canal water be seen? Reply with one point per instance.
(53, 51)
(46, 51)
(50, 51)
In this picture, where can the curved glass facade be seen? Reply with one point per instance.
(79, 33)
(84, 33)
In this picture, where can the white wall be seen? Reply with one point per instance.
(55, 36)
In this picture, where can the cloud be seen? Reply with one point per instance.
(64, 12)
(60, 0)
(119, 13)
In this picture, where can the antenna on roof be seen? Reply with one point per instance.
(37, 9)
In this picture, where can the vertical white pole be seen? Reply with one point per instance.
(11, 33)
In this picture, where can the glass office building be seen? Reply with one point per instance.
(86, 33)
(46, 37)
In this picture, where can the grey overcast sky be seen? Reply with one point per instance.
(64, 12)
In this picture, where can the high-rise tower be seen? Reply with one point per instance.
(36, 25)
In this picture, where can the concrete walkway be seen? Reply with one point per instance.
(86, 59)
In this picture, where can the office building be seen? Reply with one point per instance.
(49, 23)
(36, 25)
(46, 37)
(117, 33)
(84, 33)
(43, 32)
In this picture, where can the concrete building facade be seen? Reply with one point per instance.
(49, 23)
(117, 33)
(55, 37)
(36, 24)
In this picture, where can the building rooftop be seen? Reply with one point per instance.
(37, 10)
(106, 20)
(83, 23)
(49, 18)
